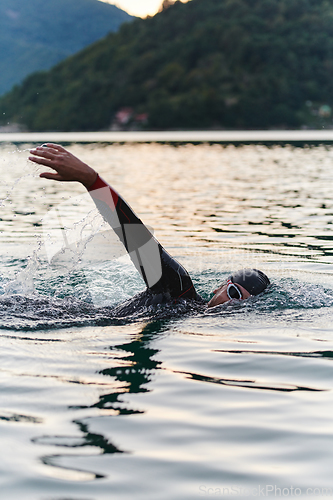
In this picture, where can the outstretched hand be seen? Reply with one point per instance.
(67, 166)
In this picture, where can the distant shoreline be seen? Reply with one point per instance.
(215, 136)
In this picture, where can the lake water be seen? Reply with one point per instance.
(233, 402)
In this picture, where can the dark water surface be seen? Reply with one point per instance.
(234, 401)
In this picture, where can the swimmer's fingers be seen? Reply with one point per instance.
(49, 175)
(43, 156)
(68, 167)
(56, 147)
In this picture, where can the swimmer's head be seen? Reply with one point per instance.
(253, 280)
(240, 285)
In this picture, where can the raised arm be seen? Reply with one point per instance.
(161, 273)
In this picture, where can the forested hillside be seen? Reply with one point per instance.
(37, 34)
(206, 63)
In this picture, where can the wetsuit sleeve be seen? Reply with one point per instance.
(161, 272)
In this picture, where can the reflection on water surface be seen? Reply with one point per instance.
(167, 406)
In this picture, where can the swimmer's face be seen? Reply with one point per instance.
(221, 296)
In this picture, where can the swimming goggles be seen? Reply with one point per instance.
(233, 291)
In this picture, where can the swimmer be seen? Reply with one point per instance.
(166, 280)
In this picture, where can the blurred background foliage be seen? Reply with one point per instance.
(204, 64)
(37, 34)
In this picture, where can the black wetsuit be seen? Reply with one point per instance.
(167, 281)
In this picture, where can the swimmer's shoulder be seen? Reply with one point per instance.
(145, 300)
